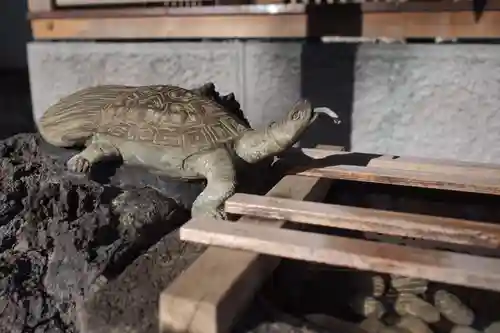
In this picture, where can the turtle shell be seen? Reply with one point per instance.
(170, 116)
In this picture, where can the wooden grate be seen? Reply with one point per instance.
(213, 303)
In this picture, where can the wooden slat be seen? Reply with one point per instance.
(316, 153)
(90, 3)
(447, 267)
(439, 166)
(430, 25)
(212, 292)
(330, 147)
(69, 3)
(407, 178)
(389, 25)
(40, 5)
(147, 11)
(242, 6)
(242, 26)
(425, 6)
(396, 162)
(267, 2)
(434, 228)
(409, 163)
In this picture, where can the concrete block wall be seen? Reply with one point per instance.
(421, 100)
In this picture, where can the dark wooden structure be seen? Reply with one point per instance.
(243, 254)
(134, 19)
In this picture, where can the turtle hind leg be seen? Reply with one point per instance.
(218, 168)
(97, 151)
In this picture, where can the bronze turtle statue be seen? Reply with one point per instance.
(170, 130)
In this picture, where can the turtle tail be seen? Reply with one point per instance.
(74, 119)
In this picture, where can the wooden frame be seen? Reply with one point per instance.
(421, 19)
(387, 25)
(440, 229)
(213, 305)
(407, 177)
(70, 3)
(101, 3)
(442, 266)
(410, 171)
(35, 6)
(242, 26)
(209, 296)
(411, 163)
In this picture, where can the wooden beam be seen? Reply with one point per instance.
(164, 11)
(374, 24)
(407, 178)
(241, 26)
(241, 7)
(267, 2)
(40, 5)
(485, 170)
(441, 266)
(67, 4)
(70, 3)
(409, 163)
(429, 25)
(330, 147)
(427, 227)
(212, 292)
(425, 6)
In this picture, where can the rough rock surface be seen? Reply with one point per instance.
(62, 235)
(90, 254)
(130, 304)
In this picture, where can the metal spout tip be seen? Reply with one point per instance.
(328, 112)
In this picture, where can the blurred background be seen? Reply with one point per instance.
(15, 99)
(412, 78)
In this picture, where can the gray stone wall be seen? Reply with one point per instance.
(439, 100)
(421, 100)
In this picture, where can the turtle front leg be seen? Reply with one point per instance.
(218, 168)
(96, 151)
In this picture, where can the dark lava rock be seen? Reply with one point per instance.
(62, 235)
(99, 247)
(130, 303)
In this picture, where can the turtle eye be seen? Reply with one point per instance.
(299, 114)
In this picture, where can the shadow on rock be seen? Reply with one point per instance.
(62, 236)
(68, 241)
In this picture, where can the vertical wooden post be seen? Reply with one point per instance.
(211, 294)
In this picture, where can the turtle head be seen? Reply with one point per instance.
(287, 131)
(253, 145)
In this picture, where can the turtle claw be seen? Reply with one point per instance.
(218, 214)
(78, 164)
